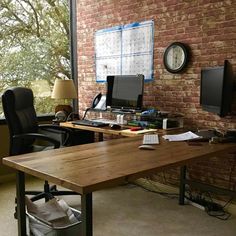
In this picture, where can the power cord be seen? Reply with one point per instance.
(212, 209)
(165, 194)
(216, 210)
(85, 113)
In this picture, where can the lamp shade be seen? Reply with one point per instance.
(64, 89)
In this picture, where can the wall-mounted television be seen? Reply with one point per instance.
(125, 92)
(217, 89)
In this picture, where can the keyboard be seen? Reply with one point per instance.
(150, 139)
(106, 121)
(89, 123)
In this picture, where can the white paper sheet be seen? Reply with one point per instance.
(181, 137)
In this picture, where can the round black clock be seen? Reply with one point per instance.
(175, 57)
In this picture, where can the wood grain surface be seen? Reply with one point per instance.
(90, 167)
(105, 130)
(124, 131)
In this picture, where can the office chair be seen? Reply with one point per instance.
(24, 131)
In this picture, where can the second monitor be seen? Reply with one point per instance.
(125, 92)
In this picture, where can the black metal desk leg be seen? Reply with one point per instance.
(87, 214)
(182, 184)
(20, 196)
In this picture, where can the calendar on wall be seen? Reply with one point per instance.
(125, 50)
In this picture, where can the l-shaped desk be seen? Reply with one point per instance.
(90, 167)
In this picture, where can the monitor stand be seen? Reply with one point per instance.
(129, 111)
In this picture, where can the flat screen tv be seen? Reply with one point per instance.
(125, 92)
(217, 89)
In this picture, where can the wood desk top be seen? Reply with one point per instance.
(124, 131)
(105, 130)
(90, 167)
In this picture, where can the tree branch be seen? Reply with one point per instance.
(63, 21)
(14, 14)
(35, 16)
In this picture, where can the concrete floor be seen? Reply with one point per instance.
(130, 211)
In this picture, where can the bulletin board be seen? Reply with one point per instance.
(125, 50)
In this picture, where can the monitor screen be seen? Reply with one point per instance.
(212, 84)
(125, 92)
(217, 89)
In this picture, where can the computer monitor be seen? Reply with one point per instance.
(217, 89)
(125, 92)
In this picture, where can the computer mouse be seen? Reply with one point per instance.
(115, 126)
(147, 147)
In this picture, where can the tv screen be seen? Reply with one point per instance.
(217, 89)
(125, 92)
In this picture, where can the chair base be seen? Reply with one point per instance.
(48, 195)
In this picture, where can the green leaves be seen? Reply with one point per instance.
(34, 41)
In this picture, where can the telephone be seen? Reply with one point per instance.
(99, 102)
(96, 100)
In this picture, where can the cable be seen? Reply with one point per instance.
(228, 202)
(164, 176)
(69, 116)
(85, 113)
(221, 214)
(166, 194)
(212, 209)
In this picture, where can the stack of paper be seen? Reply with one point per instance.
(181, 137)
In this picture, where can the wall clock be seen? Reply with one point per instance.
(175, 57)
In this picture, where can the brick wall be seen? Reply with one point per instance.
(208, 27)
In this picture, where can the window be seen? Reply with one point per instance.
(34, 47)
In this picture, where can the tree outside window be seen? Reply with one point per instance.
(34, 47)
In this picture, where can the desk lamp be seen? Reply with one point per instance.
(63, 89)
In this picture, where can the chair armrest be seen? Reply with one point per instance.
(55, 127)
(49, 127)
(38, 136)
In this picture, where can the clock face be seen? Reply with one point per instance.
(175, 57)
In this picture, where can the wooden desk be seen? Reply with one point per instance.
(124, 131)
(90, 167)
(102, 130)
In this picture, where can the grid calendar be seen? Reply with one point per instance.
(125, 50)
